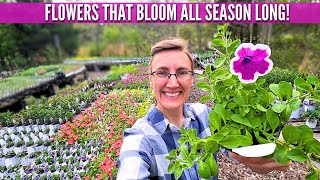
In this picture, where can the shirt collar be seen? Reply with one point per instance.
(162, 123)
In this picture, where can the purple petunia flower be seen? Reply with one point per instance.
(76, 177)
(251, 61)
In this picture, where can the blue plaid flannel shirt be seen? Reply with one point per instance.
(150, 140)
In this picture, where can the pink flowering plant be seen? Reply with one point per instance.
(245, 113)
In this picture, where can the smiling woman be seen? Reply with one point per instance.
(152, 137)
(171, 92)
(147, 146)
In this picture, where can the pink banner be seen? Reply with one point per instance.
(159, 13)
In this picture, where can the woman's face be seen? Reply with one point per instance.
(171, 93)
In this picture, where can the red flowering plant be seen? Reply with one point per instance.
(246, 113)
(104, 122)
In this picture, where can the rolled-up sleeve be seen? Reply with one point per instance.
(134, 160)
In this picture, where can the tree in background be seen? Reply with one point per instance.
(27, 45)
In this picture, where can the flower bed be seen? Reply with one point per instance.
(87, 146)
(104, 122)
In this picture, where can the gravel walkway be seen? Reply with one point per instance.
(228, 170)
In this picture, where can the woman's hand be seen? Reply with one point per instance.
(261, 165)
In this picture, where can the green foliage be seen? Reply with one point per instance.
(32, 77)
(244, 114)
(311, 115)
(61, 107)
(278, 74)
(145, 106)
(116, 71)
(6, 118)
(27, 45)
(37, 70)
(295, 47)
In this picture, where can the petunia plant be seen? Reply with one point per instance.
(245, 113)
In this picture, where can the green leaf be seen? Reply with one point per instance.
(222, 28)
(229, 82)
(275, 89)
(280, 154)
(271, 97)
(172, 152)
(259, 138)
(241, 98)
(261, 108)
(192, 133)
(208, 69)
(230, 142)
(218, 42)
(311, 79)
(295, 93)
(255, 121)
(285, 89)
(217, 136)
(231, 105)
(177, 171)
(244, 140)
(312, 176)
(213, 165)
(241, 120)
(184, 151)
(242, 111)
(211, 146)
(285, 115)
(182, 140)
(203, 99)
(219, 61)
(204, 170)
(306, 134)
(263, 95)
(261, 81)
(219, 73)
(234, 130)
(219, 109)
(204, 86)
(297, 155)
(278, 108)
(248, 135)
(291, 134)
(183, 131)
(302, 85)
(273, 119)
(315, 98)
(294, 104)
(233, 45)
(313, 146)
(224, 131)
(215, 120)
(171, 168)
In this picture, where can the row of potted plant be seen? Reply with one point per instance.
(311, 115)
(57, 109)
(32, 77)
(105, 121)
(59, 158)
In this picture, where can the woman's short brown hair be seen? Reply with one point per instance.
(171, 44)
